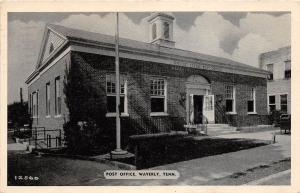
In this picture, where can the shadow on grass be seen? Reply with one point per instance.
(156, 152)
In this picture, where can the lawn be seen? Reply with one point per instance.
(52, 170)
(156, 151)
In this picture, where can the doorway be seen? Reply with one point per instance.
(198, 109)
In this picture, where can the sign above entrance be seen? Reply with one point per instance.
(194, 65)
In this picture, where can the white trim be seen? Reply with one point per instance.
(49, 66)
(115, 114)
(58, 116)
(48, 116)
(254, 98)
(287, 102)
(125, 95)
(57, 94)
(233, 112)
(165, 97)
(158, 114)
(254, 101)
(234, 99)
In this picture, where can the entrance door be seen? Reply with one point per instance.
(208, 108)
(198, 109)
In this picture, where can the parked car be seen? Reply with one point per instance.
(285, 123)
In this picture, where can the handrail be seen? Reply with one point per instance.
(223, 113)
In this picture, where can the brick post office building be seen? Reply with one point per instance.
(162, 87)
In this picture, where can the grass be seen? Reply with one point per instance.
(52, 170)
(151, 153)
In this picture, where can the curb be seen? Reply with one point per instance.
(258, 182)
(99, 160)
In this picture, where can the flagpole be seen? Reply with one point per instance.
(118, 152)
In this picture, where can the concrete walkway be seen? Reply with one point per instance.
(278, 179)
(16, 147)
(200, 171)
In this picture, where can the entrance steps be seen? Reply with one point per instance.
(220, 129)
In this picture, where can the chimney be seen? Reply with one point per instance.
(161, 29)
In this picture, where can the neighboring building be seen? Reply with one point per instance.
(278, 62)
(162, 88)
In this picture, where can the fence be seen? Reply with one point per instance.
(43, 138)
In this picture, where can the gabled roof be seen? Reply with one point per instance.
(71, 34)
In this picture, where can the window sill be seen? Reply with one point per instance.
(57, 116)
(158, 114)
(231, 113)
(48, 116)
(114, 115)
(252, 113)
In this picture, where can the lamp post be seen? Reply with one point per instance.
(118, 152)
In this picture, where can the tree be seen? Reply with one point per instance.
(17, 113)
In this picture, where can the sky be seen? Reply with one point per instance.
(240, 36)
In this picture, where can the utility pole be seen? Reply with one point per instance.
(21, 96)
(118, 152)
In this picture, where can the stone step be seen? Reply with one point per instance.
(220, 129)
(217, 125)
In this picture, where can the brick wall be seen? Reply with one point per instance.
(53, 121)
(138, 74)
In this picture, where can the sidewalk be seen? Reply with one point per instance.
(281, 178)
(200, 171)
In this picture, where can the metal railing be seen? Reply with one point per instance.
(42, 138)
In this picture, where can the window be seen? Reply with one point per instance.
(158, 96)
(270, 69)
(272, 104)
(48, 99)
(283, 103)
(251, 100)
(57, 96)
(230, 98)
(51, 47)
(154, 31)
(166, 30)
(287, 71)
(35, 102)
(111, 94)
